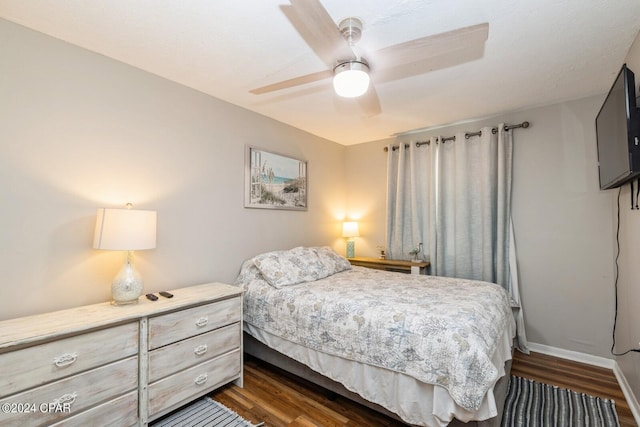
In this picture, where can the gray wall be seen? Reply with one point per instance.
(80, 131)
(628, 335)
(563, 223)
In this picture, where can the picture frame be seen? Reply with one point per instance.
(274, 180)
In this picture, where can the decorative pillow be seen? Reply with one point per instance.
(285, 268)
(333, 262)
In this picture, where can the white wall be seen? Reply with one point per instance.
(80, 131)
(563, 223)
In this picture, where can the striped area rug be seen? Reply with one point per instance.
(204, 412)
(534, 404)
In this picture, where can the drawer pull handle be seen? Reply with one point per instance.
(68, 399)
(201, 349)
(201, 379)
(65, 360)
(201, 322)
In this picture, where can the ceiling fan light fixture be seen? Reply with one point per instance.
(351, 78)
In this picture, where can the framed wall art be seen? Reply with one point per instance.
(274, 181)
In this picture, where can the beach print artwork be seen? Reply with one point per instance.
(275, 181)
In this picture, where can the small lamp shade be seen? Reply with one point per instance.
(350, 229)
(125, 230)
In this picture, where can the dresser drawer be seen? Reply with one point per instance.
(179, 388)
(37, 365)
(184, 354)
(120, 412)
(169, 328)
(74, 394)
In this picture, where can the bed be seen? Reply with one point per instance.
(431, 351)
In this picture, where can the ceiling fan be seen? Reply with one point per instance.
(352, 73)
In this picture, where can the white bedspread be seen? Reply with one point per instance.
(440, 331)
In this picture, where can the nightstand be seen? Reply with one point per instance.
(391, 264)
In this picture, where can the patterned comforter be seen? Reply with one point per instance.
(442, 331)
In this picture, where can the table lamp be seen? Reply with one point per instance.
(350, 230)
(125, 230)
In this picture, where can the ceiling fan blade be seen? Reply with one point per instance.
(423, 48)
(369, 102)
(452, 58)
(296, 81)
(315, 25)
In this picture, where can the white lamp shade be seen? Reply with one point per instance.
(350, 229)
(351, 79)
(125, 229)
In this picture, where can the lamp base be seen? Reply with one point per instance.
(127, 286)
(351, 248)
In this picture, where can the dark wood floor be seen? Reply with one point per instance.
(282, 400)
(580, 377)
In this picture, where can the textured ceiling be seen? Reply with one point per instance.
(537, 53)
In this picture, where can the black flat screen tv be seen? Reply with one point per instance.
(617, 133)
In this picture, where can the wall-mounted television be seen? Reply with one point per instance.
(617, 130)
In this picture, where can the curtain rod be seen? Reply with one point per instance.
(467, 135)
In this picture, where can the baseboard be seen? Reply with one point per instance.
(632, 401)
(602, 362)
(576, 356)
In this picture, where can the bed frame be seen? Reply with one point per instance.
(260, 351)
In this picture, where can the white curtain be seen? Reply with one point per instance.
(455, 198)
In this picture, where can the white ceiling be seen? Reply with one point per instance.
(538, 52)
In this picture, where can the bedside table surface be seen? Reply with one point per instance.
(360, 260)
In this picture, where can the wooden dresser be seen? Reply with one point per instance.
(120, 365)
